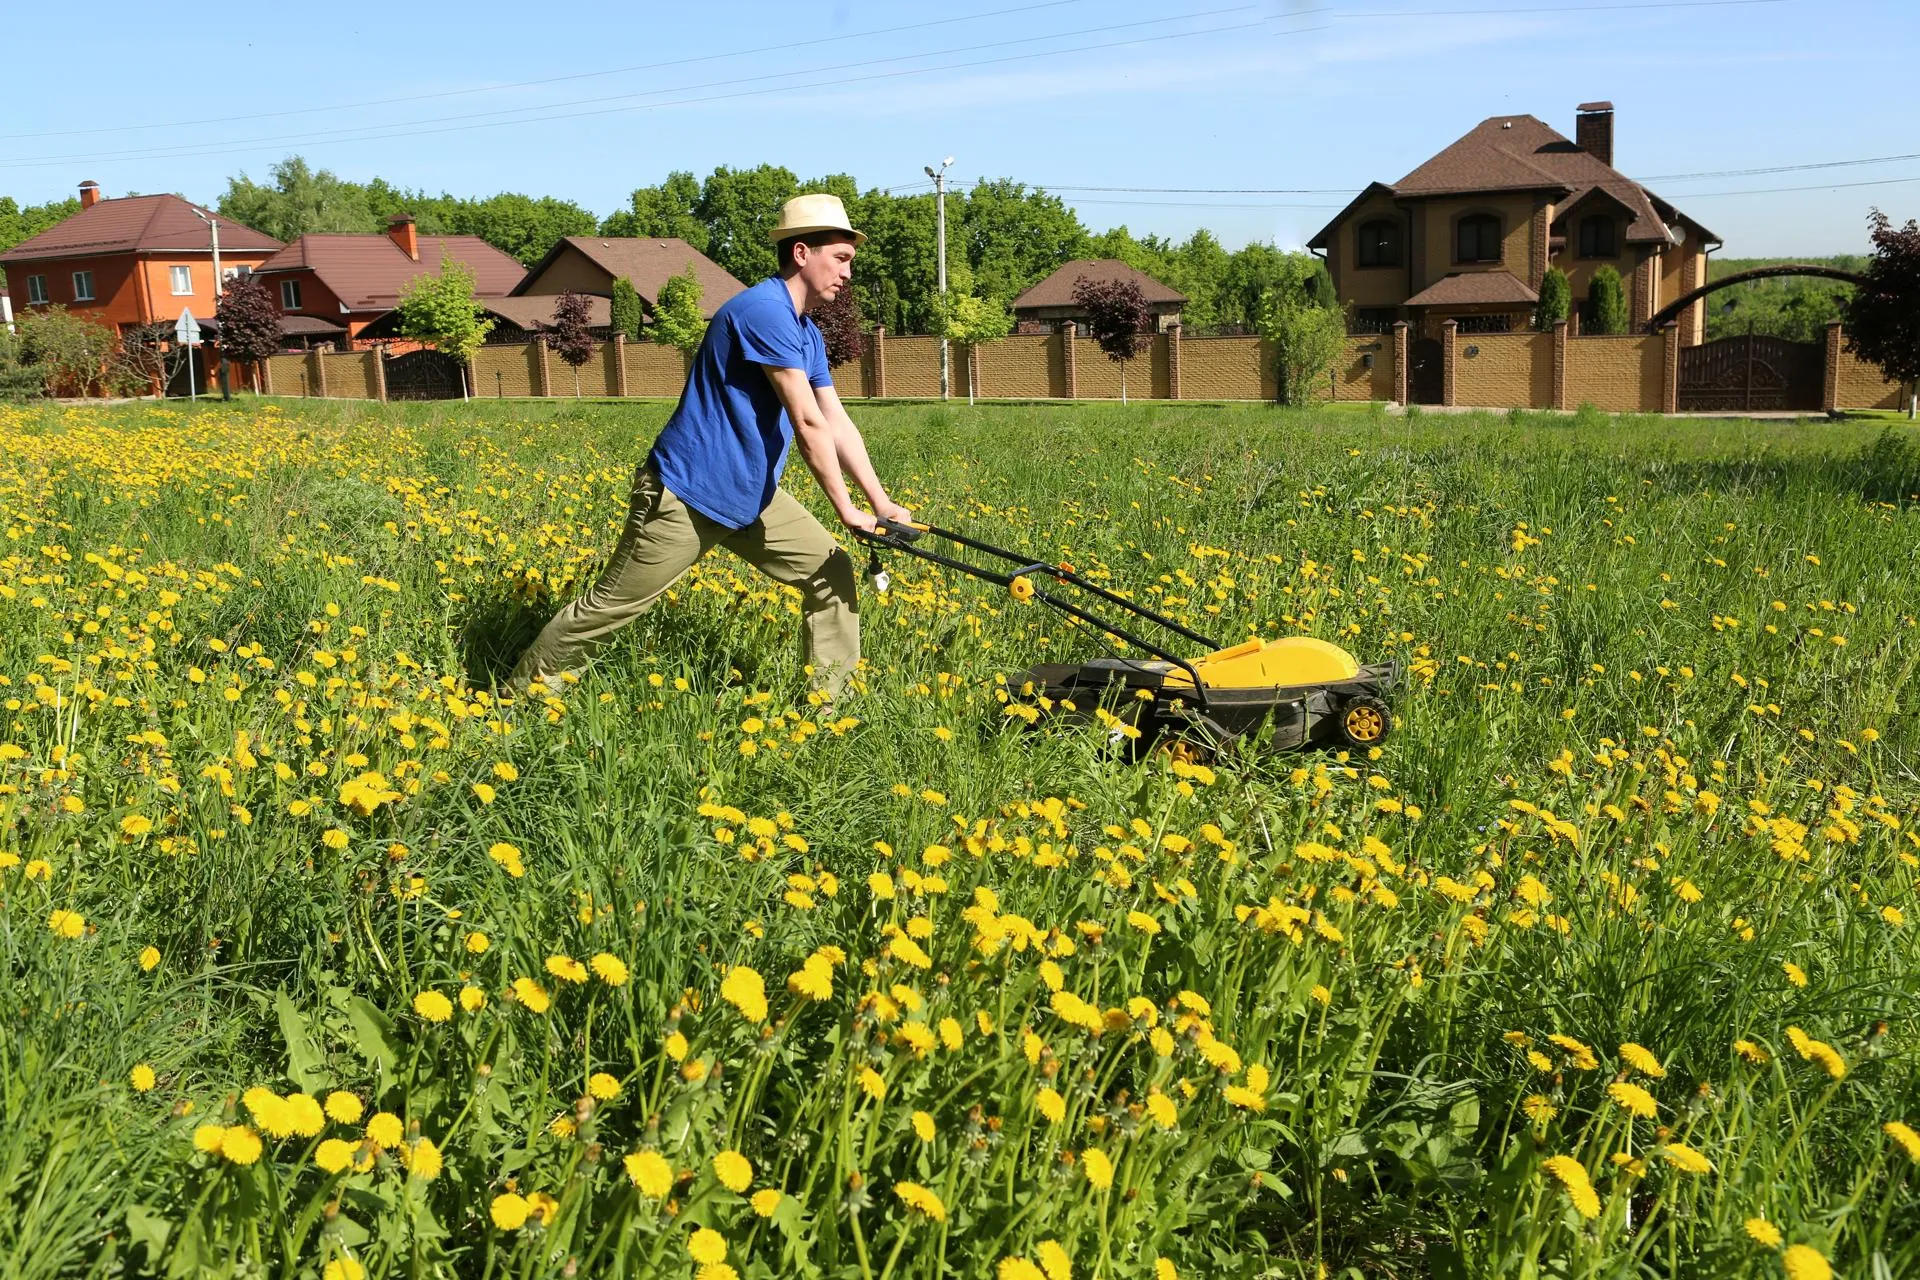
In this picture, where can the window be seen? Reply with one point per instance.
(37, 290)
(1477, 238)
(229, 274)
(83, 286)
(1379, 243)
(182, 278)
(289, 295)
(1596, 237)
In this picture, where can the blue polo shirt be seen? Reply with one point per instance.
(723, 449)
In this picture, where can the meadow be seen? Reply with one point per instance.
(323, 960)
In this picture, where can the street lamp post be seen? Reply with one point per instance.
(940, 248)
(219, 290)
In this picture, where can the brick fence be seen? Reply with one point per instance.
(1631, 374)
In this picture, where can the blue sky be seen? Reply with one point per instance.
(1322, 95)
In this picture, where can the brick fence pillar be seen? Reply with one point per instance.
(1689, 281)
(1559, 365)
(1830, 371)
(877, 377)
(542, 371)
(1173, 362)
(318, 363)
(619, 349)
(379, 374)
(1400, 359)
(1449, 344)
(266, 376)
(1072, 390)
(1669, 367)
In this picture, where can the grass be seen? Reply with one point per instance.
(323, 961)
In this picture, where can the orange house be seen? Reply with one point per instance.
(133, 261)
(330, 288)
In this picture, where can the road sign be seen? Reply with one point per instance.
(187, 329)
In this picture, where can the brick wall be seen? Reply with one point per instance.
(1099, 377)
(1508, 370)
(1352, 380)
(287, 376)
(1020, 368)
(1617, 374)
(913, 367)
(654, 369)
(596, 377)
(1859, 385)
(1225, 369)
(504, 370)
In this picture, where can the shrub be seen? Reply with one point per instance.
(1606, 303)
(1307, 339)
(1556, 299)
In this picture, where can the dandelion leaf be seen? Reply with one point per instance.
(304, 1064)
(373, 1037)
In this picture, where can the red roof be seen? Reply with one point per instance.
(369, 272)
(135, 224)
(647, 262)
(1057, 289)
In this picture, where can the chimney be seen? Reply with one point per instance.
(1593, 129)
(89, 194)
(400, 231)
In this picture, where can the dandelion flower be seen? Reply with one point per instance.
(1804, 1262)
(1795, 974)
(1018, 1269)
(1685, 1158)
(873, 1084)
(611, 969)
(509, 1211)
(1763, 1232)
(923, 1126)
(141, 1078)
(1054, 1260)
(344, 1269)
(734, 1171)
(433, 1006)
(149, 959)
(649, 1171)
(1163, 1269)
(1098, 1166)
(920, 1200)
(1642, 1060)
(1572, 1175)
(208, 1137)
(531, 994)
(706, 1245)
(745, 991)
(1903, 1133)
(1632, 1098)
(422, 1159)
(67, 924)
(240, 1144)
(716, 1271)
(385, 1130)
(603, 1086)
(1539, 1108)
(766, 1201)
(567, 969)
(333, 1155)
(343, 1107)
(304, 1115)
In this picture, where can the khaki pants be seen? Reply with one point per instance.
(662, 539)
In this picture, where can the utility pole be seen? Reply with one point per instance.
(219, 290)
(940, 246)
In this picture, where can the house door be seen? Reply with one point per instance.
(1426, 376)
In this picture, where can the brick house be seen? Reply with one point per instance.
(1468, 235)
(1044, 307)
(330, 289)
(132, 261)
(590, 264)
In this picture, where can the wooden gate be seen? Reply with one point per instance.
(1426, 371)
(1751, 372)
(424, 375)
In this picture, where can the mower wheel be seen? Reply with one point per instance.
(1364, 721)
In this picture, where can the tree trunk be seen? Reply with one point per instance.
(1123, 382)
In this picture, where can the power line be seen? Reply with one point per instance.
(1818, 186)
(467, 121)
(782, 47)
(1779, 168)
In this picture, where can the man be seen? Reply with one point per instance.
(758, 382)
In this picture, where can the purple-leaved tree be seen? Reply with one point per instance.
(840, 324)
(1883, 317)
(249, 324)
(570, 335)
(1118, 318)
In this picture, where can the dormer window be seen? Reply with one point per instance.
(1597, 237)
(1379, 243)
(1477, 238)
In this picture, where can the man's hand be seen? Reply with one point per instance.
(892, 512)
(857, 520)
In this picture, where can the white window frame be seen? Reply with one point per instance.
(86, 295)
(289, 295)
(36, 291)
(173, 279)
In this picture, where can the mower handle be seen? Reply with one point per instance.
(904, 537)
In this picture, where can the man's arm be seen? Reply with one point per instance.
(852, 448)
(819, 443)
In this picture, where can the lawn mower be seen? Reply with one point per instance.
(1311, 693)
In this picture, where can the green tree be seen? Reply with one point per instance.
(666, 211)
(298, 200)
(971, 321)
(1012, 236)
(1606, 303)
(440, 311)
(896, 267)
(676, 318)
(19, 380)
(628, 312)
(1252, 273)
(69, 353)
(739, 208)
(18, 224)
(1306, 340)
(1556, 300)
(525, 226)
(1199, 269)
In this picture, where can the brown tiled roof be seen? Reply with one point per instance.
(1057, 289)
(135, 224)
(308, 326)
(369, 272)
(1521, 153)
(647, 262)
(531, 313)
(1474, 288)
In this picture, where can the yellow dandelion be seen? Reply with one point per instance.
(1099, 1168)
(509, 1211)
(1572, 1175)
(744, 989)
(1804, 1262)
(1685, 1158)
(734, 1171)
(1763, 1232)
(920, 1200)
(649, 1171)
(1642, 1060)
(706, 1245)
(1903, 1134)
(141, 1077)
(1632, 1098)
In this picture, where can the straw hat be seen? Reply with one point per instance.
(804, 215)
